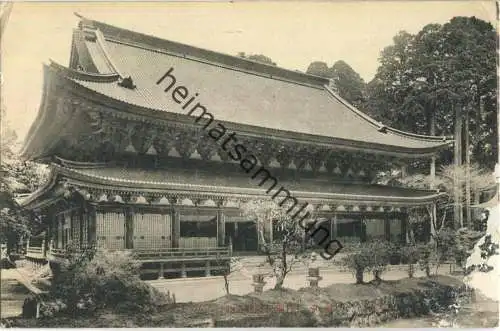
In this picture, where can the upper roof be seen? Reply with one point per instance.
(246, 96)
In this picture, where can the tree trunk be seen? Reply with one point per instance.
(433, 158)
(457, 210)
(411, 270)
(468, 211)
(226, 284)
(280, 279)
(359, 276)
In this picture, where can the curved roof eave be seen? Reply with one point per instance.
(381, 126)
(33, 197)
(103, 182)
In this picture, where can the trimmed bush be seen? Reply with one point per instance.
(379, 257)
(410, 256)
(357, 263)
(372, 256)
(96, 280)
(426, 257)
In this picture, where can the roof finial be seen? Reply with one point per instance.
(78, 15)
(127, 83)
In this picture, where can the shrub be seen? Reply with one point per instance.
(410, 256)
(426, 257)
(357, 263)
(102, 279)
(379, 255)
(373, 256)
(465, 239)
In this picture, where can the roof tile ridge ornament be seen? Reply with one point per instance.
(93, 33)
(384, 128)
(127, 82)
(85, 76)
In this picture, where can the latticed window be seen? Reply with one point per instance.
(348, 228)
(110, 230)
(395, 229)
(375, 229)
(75, 228)
(152, 231)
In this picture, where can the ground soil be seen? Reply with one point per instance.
(233, 306)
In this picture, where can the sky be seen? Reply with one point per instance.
(292, 34)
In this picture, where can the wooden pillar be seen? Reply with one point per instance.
(92, 225)
(176, 227)
(334, 229)
(404, 222)
(82, 228)
(387, 228)
(404, 171)
(221, 228)
(129, 227)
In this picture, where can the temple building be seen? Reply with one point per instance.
(133, 169)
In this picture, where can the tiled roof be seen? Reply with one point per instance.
(178, 179)
(232, 89)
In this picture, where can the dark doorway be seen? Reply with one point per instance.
(243, 236)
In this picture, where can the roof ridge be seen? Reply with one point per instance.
(219, 65)
(381, 126)
(124, 35)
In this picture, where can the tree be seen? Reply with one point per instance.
(286, 251)
(449, 179)
(258, 58)
(344, 80)
(18, 177)
(233, 265)
(319, 68)
(423, 77)
(348, 83)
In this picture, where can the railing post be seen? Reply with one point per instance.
(207, 269)
(43, 247)
(183, 270)
(162, 273)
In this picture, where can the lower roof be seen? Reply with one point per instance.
(176, 181)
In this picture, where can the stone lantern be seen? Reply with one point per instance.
(313, 277)
(258, 283)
